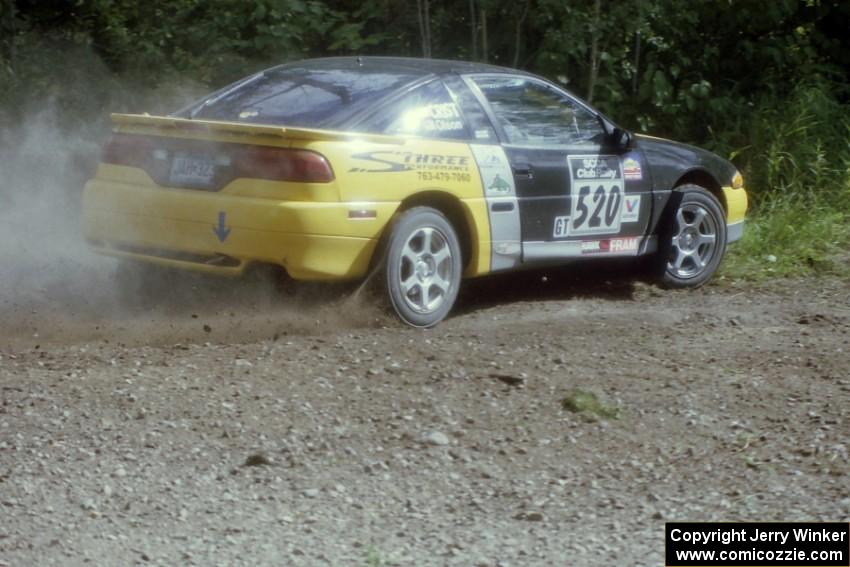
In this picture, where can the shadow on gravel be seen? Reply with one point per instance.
(270, 289)
(146, 288)
(160, 307)
(168, 307)
(608, 280)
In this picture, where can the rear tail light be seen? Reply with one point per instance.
(281, 164)
(154, 154)
(127, 149)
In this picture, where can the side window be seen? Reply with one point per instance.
(532, 113)
(476, 118)
(427, 111)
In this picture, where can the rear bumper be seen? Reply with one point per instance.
(223, 234)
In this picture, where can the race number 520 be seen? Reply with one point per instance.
(596, 196)
(596, 208)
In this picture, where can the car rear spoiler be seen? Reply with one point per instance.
(189, 127)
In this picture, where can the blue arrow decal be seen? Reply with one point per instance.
(221, 231)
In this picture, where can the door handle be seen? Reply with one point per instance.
(523, 171)
(502, 207)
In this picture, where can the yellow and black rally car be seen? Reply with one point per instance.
(426, 171)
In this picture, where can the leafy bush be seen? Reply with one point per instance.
(797, 169)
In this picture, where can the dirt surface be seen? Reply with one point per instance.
(221, 425)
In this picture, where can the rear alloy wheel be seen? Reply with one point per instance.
(695, 241)
(422, 266)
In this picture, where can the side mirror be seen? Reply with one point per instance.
(621, 138)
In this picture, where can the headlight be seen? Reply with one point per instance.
(737, 181)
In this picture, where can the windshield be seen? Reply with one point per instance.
(300, 96)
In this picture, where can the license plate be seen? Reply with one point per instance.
(192, 170)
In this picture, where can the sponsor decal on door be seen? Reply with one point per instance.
(631, 208)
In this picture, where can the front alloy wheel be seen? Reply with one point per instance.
(696, 240)
(423, 266)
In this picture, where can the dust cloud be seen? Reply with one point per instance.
(43, 258)
(50, 140)
(54, 290)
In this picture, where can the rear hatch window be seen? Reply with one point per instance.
(301, 97)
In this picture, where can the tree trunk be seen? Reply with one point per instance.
(518, 34)
(474, 30)
(637, 50)
(484, 35)
(423, 30)
(594, 51)
(427, 27)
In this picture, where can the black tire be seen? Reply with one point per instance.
(693, 238)
(422, 266)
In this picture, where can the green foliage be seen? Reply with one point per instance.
(797, 167)
(792, 237)
(798, 144)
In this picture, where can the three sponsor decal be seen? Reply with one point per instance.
(392, 161)
(429, 167)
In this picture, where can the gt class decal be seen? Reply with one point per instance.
(596, 190)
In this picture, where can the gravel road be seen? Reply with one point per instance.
(548, 422)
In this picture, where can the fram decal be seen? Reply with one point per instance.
(610, 246)
(631, 208)
(623, 244)
(395, 161)
(631, 169)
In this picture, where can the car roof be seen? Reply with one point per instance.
(406, 65)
